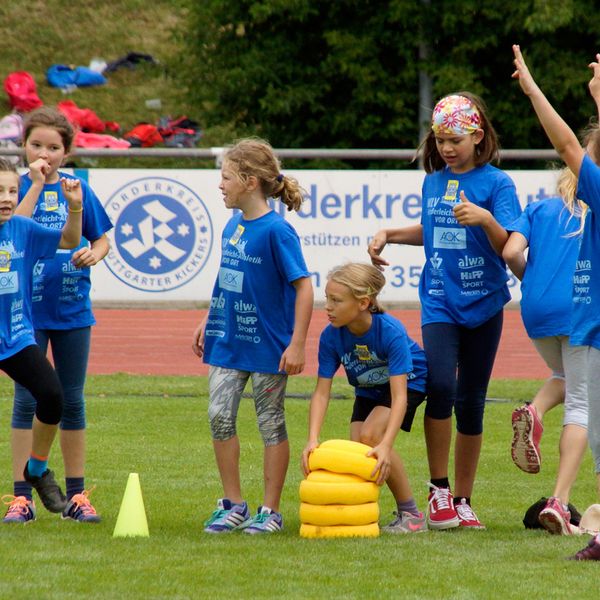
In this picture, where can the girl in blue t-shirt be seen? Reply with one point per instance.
(387, 370)
(551, 230)
(255, 328)
(467, 205)
(22, 244)
(585, 324)
(62, 311)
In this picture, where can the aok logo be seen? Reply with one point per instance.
(162, 234)
(377, 376)
(449, 237)
(9, 283)
(231, 280)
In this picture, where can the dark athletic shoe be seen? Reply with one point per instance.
(590, 552)
(80, 509)
(48, 490)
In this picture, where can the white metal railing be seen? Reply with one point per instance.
(300, 153)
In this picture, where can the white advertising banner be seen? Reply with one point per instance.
(165, 245)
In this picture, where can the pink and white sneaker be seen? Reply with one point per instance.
(527, 432)
(555, 519)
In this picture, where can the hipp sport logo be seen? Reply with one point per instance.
(162, 234)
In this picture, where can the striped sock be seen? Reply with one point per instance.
(74, 485)
(22, 488)
(37, 465)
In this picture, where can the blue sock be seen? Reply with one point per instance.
(37, 466)
(22, 488)
(74, 485)
(409, 506)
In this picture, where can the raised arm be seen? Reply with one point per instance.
(594, 84)
(71, 232)
(37, 173)
(559, 133)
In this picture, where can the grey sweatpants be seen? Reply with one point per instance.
(594, 404)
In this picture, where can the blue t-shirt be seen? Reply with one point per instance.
(252, 309)
(61, 291)
(585, 325)
(22, 243)
(464, 280)
(546, 290)
(371, 359)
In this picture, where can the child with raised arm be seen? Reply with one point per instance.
(255, 329)
(61, 307)
(551, 230)
(22, 243)
(467, 204)
(585, 325)
(372, 346)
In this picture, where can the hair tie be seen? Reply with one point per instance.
(279, 177)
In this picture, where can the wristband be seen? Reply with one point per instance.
(76, 211)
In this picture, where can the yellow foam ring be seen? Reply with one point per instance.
(347, 446)
(322, 476)
(339, 514)
(335, 531)
(340, 461)
(317, 492)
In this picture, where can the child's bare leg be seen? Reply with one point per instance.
(572, 446)
(466, 457)
(227, 454)
(551, 394)
(438, 436)
(371, 432)
(276, 461)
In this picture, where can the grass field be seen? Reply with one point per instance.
(157, 427)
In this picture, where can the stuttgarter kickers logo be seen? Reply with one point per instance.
(162, 234)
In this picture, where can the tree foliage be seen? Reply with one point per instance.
(345, 73)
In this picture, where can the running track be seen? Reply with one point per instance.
(158, 342)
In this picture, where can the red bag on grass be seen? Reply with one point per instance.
(145, 135)
(83, 118)
(21, 90)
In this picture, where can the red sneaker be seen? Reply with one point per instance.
(555, 519)
(442, 514)
(467, 516)
(527, 432)
(590, 552)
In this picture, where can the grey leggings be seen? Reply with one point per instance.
(594, 404)
(225, 393)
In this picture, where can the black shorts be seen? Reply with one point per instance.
(363, 406)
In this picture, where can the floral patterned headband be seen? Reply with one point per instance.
(455, 115)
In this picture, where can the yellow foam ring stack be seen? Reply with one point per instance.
(337, 531)
(339, 497)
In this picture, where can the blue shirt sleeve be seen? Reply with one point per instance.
(505, 202)
(95, 222)
(522, 224)
(329, 360)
